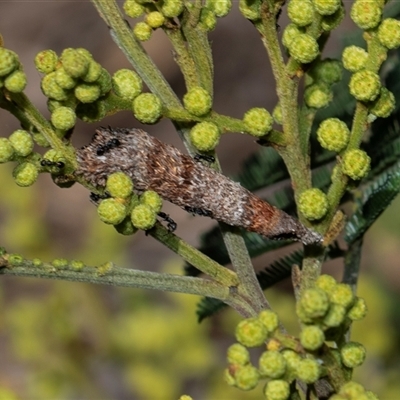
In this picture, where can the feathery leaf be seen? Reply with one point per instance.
(375, 199)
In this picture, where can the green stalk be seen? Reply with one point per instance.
(117, 276)
(312, 264)
(109, 274)
(377, 54)
(193, 256)
(226, 123)
(134, 52)
(339, 180)
(359, 126)
(198, 46)
(295, 157)
(295, 154)
(30, 113)
(243, 267)
(183, 58)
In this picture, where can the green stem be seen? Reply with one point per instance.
(249, 289)
(241, 304)
(117, 276)
(109, 274)
(140, 60)
(312, 265)
(334, 369)
(183, 58)
(134, 52)
(359, 126)
(377, 53)
(11, 107)
(194, 257)
(180, 115)
(115, 104)
(339, 180)
(243, 267)
(35, 118)
(306, 120)
(198, 46)
(294, 155)
(226, 123)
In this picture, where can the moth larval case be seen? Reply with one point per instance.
(178, 178)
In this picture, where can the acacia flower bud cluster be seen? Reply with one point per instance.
(126, 84)
(354, 391)
(301, 40)
(319, 81)
(329, 304)
(205, 135)
(12, 76)
(162, 16)
(333, 135)
(278, 365)
(355, 164)
(366, 14)
(258, 121)
(212, 10)
(147, 108)
(19, 147)
(57, 263)
(153, 19)
(326, 311)
(313, 204)
(365, 84)
(297, 38)
(75, 85)
(323, 311)
(124, 209)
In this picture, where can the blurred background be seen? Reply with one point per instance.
(61, 340)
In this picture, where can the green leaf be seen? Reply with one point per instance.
(384, 144)
(262, 169)
(207, 307)
(375, 198)
(279, 269)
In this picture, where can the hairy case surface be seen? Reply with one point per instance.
(178, 178)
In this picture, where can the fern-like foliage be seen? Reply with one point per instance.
(262, 169)
(375, 199)
(280, 269)
(384, 144)
(207, 307)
